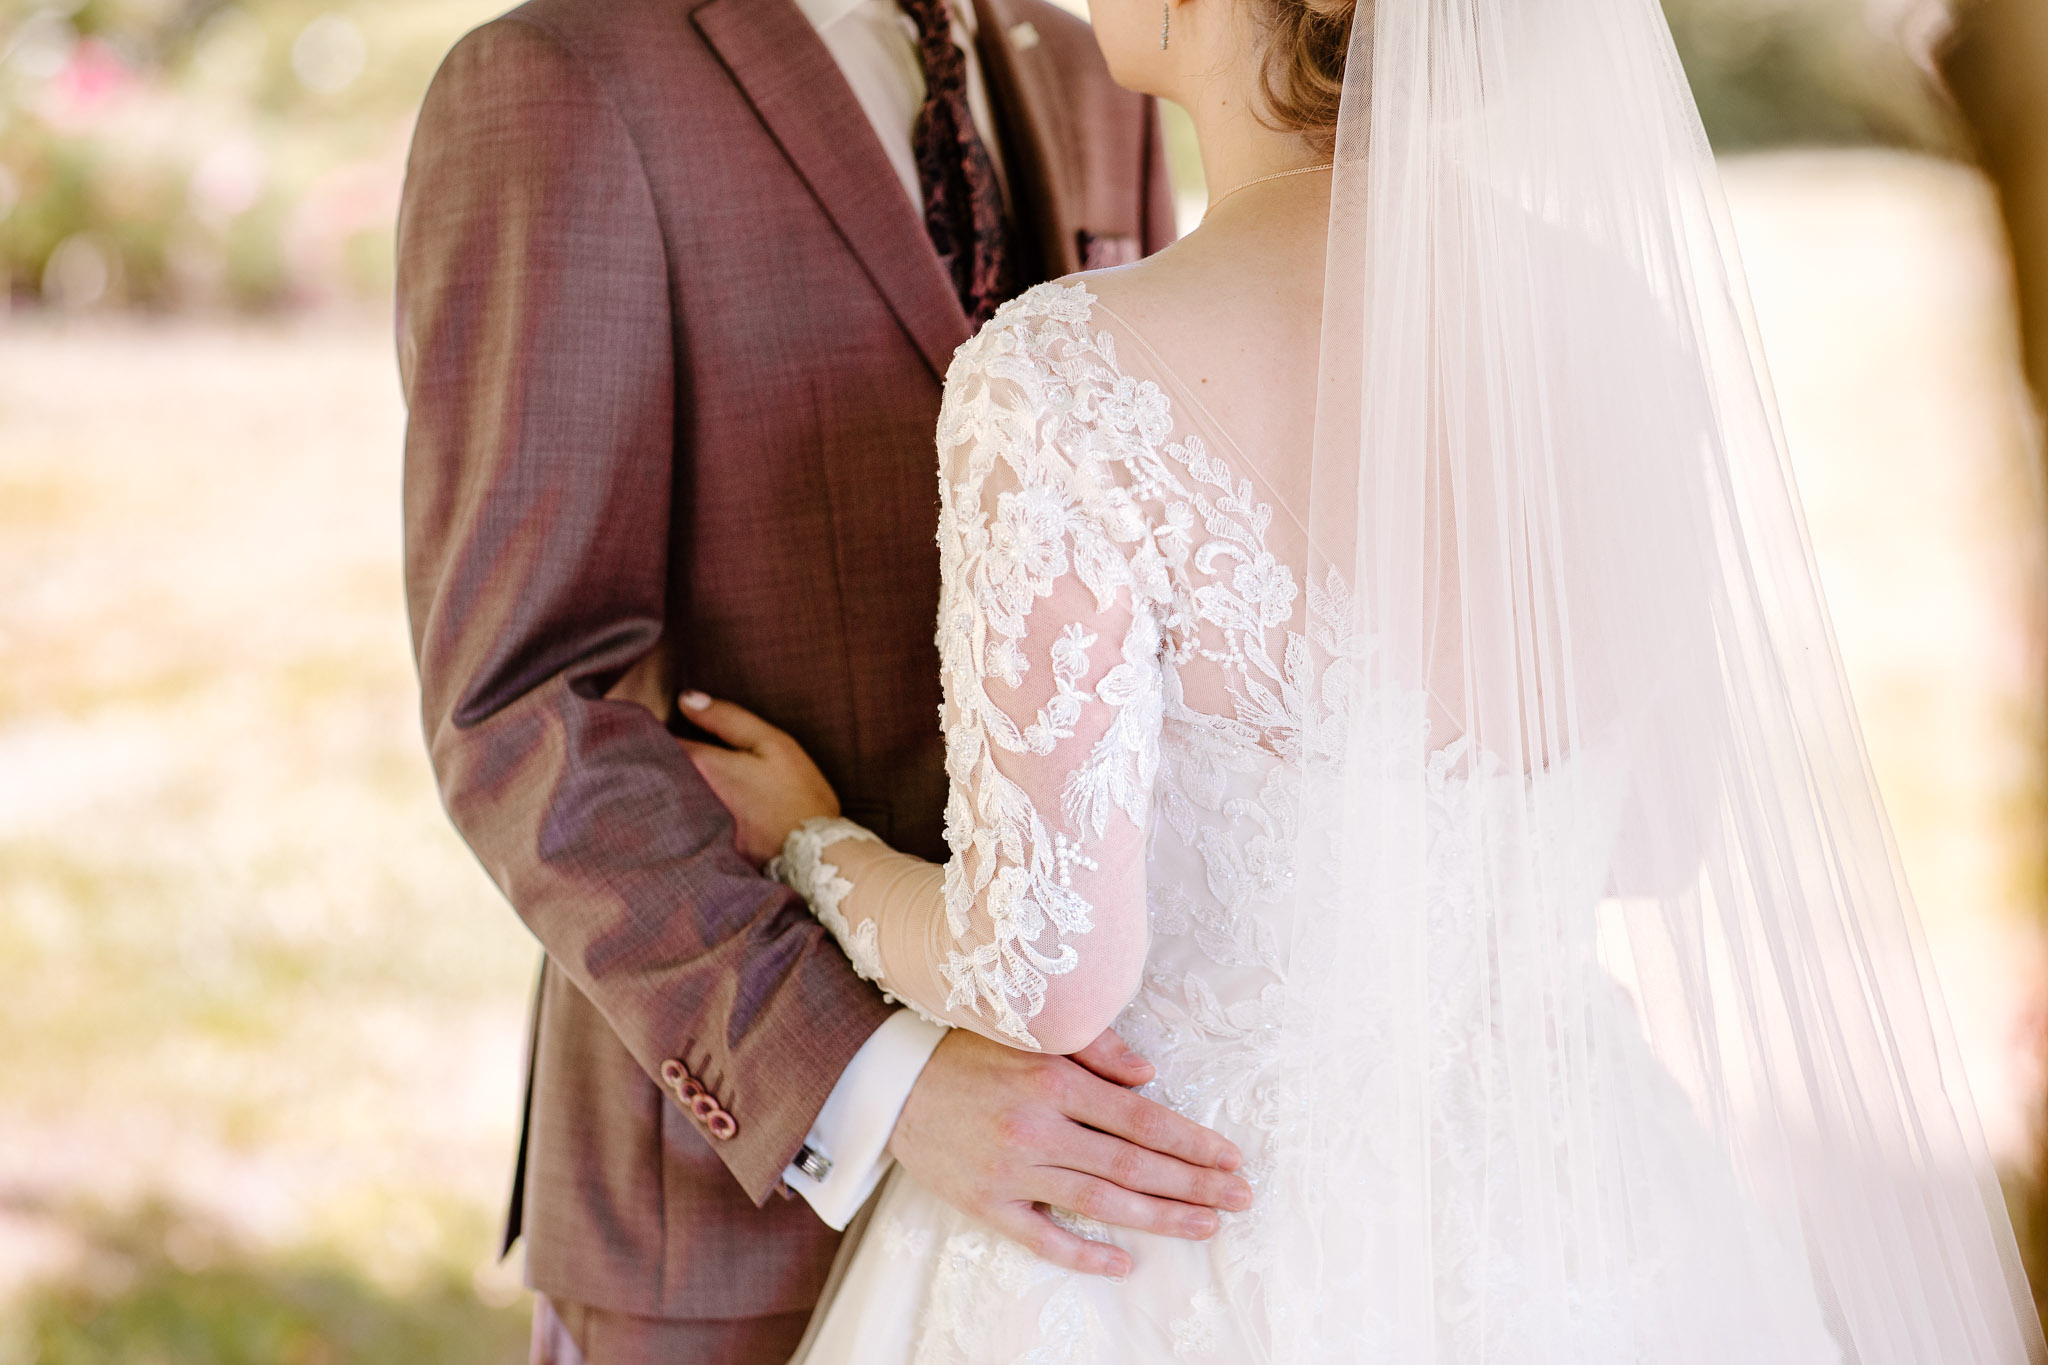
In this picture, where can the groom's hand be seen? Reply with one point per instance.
(1001, 1134)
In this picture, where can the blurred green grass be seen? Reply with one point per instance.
(168, 1289)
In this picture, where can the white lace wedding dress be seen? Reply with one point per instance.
(1130, 653)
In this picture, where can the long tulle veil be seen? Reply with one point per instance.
(1608, 1023)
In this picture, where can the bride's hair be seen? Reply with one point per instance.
(1304, 76)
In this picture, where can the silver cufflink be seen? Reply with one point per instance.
(1024, 36)
(813, 1163)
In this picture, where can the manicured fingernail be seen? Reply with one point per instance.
(1240, 1199)
(1229, 1159)
(1118, 1268)
(696, 701)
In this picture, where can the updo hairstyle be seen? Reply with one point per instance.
(1304, 75)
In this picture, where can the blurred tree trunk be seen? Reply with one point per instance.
(1997, 67)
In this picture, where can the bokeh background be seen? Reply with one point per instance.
(260, 1013)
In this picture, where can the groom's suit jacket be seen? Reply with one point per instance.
(672, 337)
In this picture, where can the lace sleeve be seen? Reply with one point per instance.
(1049, 640)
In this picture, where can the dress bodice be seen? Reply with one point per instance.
(1077, 470)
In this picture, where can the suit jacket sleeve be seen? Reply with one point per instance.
(537, 350)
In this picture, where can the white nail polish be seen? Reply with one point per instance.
(696, 701)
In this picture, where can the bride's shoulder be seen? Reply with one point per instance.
(1034, 337)
(1055, 308)
(1057, 321)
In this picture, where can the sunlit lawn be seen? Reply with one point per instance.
(260, 1014)
(247, 973)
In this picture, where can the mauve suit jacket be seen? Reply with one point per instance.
(672, 338)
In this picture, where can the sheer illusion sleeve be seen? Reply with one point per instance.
(1034, 932)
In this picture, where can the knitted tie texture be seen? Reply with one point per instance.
(963, 201)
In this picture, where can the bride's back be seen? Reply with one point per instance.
(1231, 316)
(1180, 423)
(1227, 323)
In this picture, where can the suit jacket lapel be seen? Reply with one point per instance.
(796, 89)
(1034, 130)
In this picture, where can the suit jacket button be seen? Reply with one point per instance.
(703, 1106)
(689, 1090)
(722, 1125)
(673, 1073)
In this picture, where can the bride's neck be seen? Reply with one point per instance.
(1237, 146)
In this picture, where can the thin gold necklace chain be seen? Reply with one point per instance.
(1262, 179)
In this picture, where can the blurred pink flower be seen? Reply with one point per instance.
(92, 81)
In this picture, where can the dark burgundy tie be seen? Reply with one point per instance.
(963, 201)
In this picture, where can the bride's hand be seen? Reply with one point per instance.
(762, 775)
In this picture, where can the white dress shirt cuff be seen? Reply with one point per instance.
(852, 1130)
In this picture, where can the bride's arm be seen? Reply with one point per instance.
(1034, 931)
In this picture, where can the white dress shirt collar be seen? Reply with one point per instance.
(825, 13)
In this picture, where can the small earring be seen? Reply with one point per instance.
(1165, 22)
